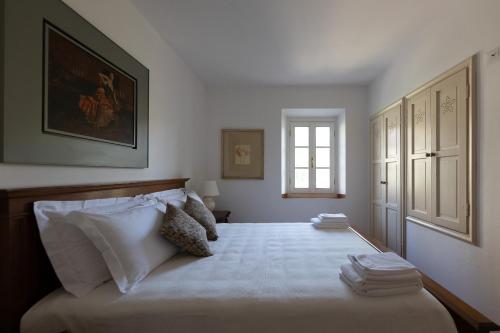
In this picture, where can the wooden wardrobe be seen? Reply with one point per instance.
(423, 160)
(440, 178)
(386, 158)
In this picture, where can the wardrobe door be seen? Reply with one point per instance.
(392, 182)
(449, 116)
(418, 201)
(377, 169)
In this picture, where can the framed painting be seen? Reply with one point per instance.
(242, 153)
(85, 95)
(70, 95)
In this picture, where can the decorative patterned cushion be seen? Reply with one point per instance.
(198, 211)
(182, 230)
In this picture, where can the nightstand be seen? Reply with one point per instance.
(221, 216)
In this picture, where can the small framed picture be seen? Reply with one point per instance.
(242, 153)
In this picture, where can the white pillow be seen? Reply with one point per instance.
(76, 261)
(177, 193)
(129, 241)
(176, 197)
(193, 195)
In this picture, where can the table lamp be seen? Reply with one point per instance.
(209, 190)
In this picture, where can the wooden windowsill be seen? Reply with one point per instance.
(312, 196)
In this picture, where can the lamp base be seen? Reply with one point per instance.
(209, 202)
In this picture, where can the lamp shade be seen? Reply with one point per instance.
(209, 189)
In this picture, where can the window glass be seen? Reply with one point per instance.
(301, 178)
(322, 136)
(322, 157)
(322, 178)
(301, 136)
(302, 157)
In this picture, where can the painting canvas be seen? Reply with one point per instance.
(242, 154)
(85, 95)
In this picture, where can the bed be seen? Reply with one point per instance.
(263, 277)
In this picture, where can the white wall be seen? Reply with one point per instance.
(260, 107)
(176, 99)
(471, 272)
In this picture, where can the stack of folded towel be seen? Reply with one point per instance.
(336, 221)
(380, 274)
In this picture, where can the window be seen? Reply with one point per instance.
(311, 156)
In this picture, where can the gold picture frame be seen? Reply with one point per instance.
(242, 154)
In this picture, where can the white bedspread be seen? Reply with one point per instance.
(263, 277)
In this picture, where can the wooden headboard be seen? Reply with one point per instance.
(26, 273)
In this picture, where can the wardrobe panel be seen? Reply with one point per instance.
(449, 110)
(379, 230)
(376, 129)
(420, 192)
(419, 121)
(393, 229)
(377, 166)
(447, 179)
(418, 158)
(446, 116)
(377, 186)
(391, 134)
(392, 188)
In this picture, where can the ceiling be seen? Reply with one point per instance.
(289, 42)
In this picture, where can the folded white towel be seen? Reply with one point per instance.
(330, 222)
(366, 284)
(331, 225)
(380, 292)
(319, 226)
(381, 263)
(333, 220)
(330, 215)
(325, 217)
(386, 277)
(380, 274)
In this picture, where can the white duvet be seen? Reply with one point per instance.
(263, 277)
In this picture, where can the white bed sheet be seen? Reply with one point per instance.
(263, 277)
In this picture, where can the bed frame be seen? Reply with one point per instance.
(27, 275)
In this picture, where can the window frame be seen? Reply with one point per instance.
(290, 155)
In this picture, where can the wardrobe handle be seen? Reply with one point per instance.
(428, 154)
(383, 182)
(433, 154)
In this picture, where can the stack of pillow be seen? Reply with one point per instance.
(124, 239)
(380, 274)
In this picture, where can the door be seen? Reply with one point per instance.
(386, 178)
(392, 177)
(418, 201)
(377, 168)
(449, 116)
